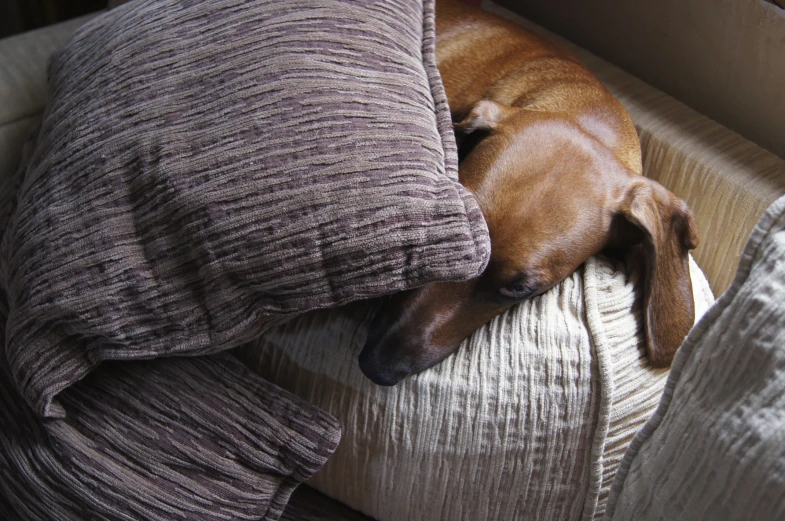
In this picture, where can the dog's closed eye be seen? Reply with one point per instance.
(517, 290)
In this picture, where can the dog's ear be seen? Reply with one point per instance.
(484, 115)
(664, 227)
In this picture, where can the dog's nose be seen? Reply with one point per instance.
(378, 371)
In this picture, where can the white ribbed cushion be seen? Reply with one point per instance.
(715, 448)
(529, 420)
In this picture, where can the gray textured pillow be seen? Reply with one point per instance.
(200, 438)
(207, 167)
(715, 448)
(197, 438)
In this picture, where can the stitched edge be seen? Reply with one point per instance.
(605, 388)
(438, 95)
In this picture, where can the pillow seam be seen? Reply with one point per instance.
(606, 387)
(444, 129)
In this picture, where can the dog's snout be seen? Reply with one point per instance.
(379, 372)
(415, 330)
(383, 357)
(378, 365)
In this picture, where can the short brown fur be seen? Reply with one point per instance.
(555, 163)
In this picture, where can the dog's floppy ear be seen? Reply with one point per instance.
(484, 115)
(666, 231)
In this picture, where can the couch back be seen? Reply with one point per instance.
(723, 58)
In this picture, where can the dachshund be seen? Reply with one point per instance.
(554, 162)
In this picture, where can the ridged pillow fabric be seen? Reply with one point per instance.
(715, 448)
(198, 438)
(528, 420)
(205, 168)
(190, 439)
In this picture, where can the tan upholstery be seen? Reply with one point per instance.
(23, 85)
(727, 181)
(725, 59)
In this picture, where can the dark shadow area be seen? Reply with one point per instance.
(18, 16)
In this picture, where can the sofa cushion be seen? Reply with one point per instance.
(206, 168)
(528, 420)
(723, 59)
(715, 448)
(23, 85)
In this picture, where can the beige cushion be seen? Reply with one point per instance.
(715, 449)
(528, 420)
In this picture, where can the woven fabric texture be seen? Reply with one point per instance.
(205, 169)
(715, 448)
(200, 438)
(177, 438)
(528, 420)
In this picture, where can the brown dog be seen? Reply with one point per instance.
(555, 164)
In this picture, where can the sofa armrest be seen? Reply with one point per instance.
(727, 181)
(23, 60)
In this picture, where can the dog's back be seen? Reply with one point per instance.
(484, 57)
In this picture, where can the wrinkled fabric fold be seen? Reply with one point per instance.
(196, 438)
(174, 438)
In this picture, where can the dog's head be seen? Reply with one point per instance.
(553, 193)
